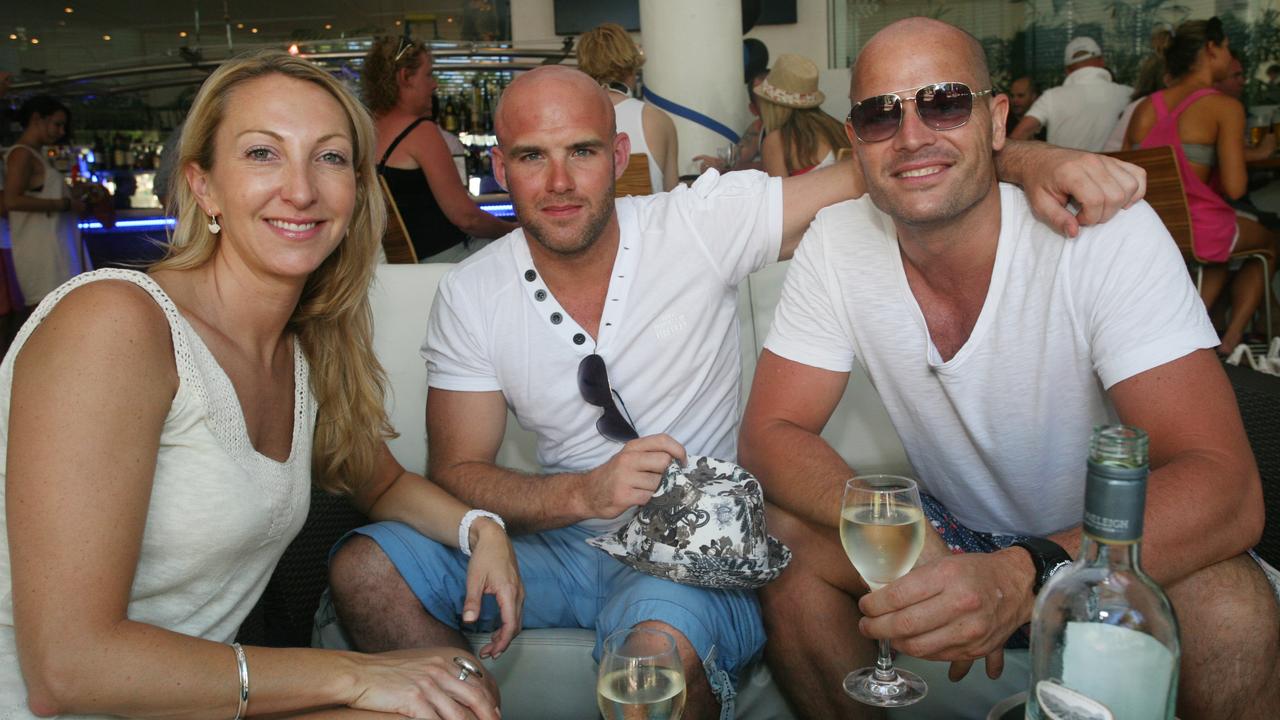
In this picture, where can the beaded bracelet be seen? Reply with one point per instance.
(464, 528)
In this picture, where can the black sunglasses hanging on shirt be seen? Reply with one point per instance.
(593, 382)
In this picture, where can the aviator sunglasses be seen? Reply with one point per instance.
(941, 106)
(593, 382)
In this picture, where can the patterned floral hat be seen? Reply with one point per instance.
(792, 82)
(703, 526)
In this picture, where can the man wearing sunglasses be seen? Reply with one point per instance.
(996, 345)
(609, 327)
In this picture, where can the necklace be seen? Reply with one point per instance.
(620, 88)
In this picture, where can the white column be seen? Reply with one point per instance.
(693, 59)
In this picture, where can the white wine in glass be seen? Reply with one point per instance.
(641, 677)
(882, 530)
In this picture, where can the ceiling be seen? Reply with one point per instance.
(41, 37)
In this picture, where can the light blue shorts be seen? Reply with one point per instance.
(569, 584)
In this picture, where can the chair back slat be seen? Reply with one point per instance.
(395, 241)
(1165, 194)
(635, 179)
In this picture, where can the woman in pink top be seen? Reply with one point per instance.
(1206, 130)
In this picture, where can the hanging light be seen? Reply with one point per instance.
(107, 38)
(293, 49)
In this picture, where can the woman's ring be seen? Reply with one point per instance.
(466, 668)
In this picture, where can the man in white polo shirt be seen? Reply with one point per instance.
(635, 295)
(1081, 111)
(996, 345)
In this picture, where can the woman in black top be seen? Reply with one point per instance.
(417, 165)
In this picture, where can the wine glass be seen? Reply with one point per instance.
(641, 677)
(728, 155)
(882, 530)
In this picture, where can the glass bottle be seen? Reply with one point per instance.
(1104, 640)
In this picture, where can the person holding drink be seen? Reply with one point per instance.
(43, 211)
(160, 432)
(996, 345)
(578, 292)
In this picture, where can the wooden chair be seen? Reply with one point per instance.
(395, 241)
(635, 179)
(1167, 197)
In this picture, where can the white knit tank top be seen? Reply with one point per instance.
(629, 118)
(221, 514)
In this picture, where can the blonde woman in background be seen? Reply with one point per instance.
(609, 55)
(160, 433)
(799, 136)
(443, 221)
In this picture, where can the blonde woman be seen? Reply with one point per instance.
(443, 221)
(609, 55)
(160, 432)
(799, 136)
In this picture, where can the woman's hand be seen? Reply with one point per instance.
(493, 571)
(424, 684)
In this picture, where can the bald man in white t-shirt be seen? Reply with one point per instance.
(996, 345)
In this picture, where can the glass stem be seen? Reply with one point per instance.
(884, 664)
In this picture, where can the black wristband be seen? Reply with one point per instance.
(1048, 557)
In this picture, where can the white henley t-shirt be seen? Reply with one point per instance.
(668, 334)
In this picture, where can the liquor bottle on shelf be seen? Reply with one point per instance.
(450, 115)
(129, 153)
(486, 108)
(464, 115)
(117, 152)
(476, 107)
(1104, 640)
(100, 160)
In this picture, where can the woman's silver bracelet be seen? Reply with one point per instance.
(242, 668)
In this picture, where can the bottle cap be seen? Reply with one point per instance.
(1115, 493)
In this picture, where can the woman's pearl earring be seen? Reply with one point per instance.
(214, 227)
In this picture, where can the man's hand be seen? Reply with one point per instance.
(706, 162)
(1098, 185)
(958, 608)
(493, 571)
(630, 477)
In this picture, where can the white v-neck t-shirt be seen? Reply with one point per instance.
(668, 333)
(999, 433)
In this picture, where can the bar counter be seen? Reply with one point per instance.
(138, 237)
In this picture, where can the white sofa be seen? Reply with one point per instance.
(550, 673)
